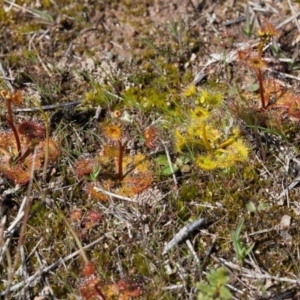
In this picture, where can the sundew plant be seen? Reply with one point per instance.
(213, 143)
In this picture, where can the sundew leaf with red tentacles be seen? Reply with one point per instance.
(135, 184)
(123, 290)
(84, 167)
(31, 130)
(54, 151)
(92, 287)
(289, 103)
(17, 173)
(137, 178)
(18, 168)
(105, 159)
(272, 87)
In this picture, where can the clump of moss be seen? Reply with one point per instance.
(99, 95)
(188, 192)
(145, 99)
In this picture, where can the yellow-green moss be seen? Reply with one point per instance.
(188, 193)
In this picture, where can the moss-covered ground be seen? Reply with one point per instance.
(138, 119)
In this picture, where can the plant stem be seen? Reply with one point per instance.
(260, 48)
(28, 150)
(120, 159)
(205, 140)
(75, 236)
(12, 125)
(47, 147)
(261, 89)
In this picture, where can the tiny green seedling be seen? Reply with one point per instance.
(292, 64)
(164, 168)
(216, 287)
(240, 250)
(248, 30)
(252, 208)
(95, 173)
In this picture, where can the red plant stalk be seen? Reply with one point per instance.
(12, 125)
(120, 159)
(29, 149)
(261, 88)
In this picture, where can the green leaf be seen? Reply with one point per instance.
(183, 159)
(216, 286)
(253, 87)
(251, 207)
(239, 228)
(263, 206)
(225, 293)
(167, 170)
(94, 175)
(44, 15)
(162, 160)
(249, 249)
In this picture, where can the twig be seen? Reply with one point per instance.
(55, 265)
(173, 287)
(10, 229)
(207, 254)
(192, 5)
(26, 294)
(98, 189)
(75, 236)
(183, 233)
(47, 107)
(9, 271)
(294, 183)
(196, 258)
(40, 60)
(284, 75)
(262, 231)
(2, 226)
(230, 266)
(6, 78)
(235, 21)
(294, 14)
(12, 4)
(45, 283)
(24, 224)
(259, 276)
(286, 21)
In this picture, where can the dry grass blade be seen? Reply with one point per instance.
(44, 270)
(7, 80)
(294, 15)
(113, 195)
(27, 208)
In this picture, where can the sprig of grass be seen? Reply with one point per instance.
(292, 63)
(241, 250)
(248, 30)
